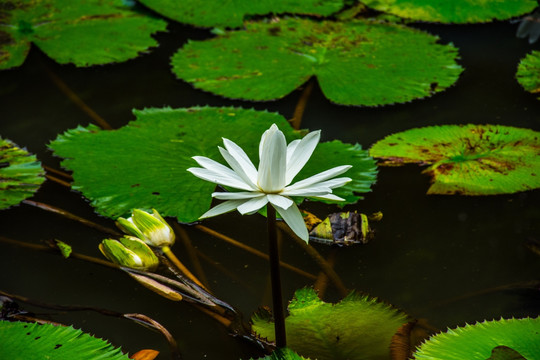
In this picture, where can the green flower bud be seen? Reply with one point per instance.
(151, 228)
(129, 252)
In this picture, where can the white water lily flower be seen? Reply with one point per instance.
(278, 166)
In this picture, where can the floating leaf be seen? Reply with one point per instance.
(528, 72)
(358, 327)
(219, 13)
(20, 174)
(144, 164)
(84, 33)
(356, 63)
(20, 340)
(283, 354)
(455, 11)
(468, 159)
(64, 248)
(477, 341)
(343, 228)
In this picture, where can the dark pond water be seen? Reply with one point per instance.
(430, 253)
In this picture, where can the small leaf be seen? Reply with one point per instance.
(528, 72)
(455, 11)
(20, 174)
(220, 13)
(64, 248)
(359, 62)
(476, 342)
(90, 33)
(145, 355)
(144, 164)
(20, 340)
(358, 327)
(468, 159)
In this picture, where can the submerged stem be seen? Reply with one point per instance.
(277, 299)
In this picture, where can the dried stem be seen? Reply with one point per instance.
(58, 172)
(328, 270)
(301, 105)
(58, 181)
(78, 101)
(277, 297)
(186, 240)
(71, 216)
(252, 250)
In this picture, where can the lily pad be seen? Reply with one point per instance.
(356, 328)
(20, 340)
(144, 164)
(468, 159)
(477, 342)
(89, 33)
(20, 174)
(455, 11)
(359, 62)
(283, 354)
(528, 72)
(210, 13)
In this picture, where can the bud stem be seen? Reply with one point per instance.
(183, 269)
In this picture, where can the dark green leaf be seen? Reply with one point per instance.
(528, 72)
(20, 174)
(468, 159)
(356, 63)
(455, 11)
(31, 341)
(476, 342)
(84, 33)
(211, 13)
(144, 164)
(358, 327)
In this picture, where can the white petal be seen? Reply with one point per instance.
(335, 183)
(222, 208)
(329, 197)
(273, 162)
(290, 148)
(301, 154)
(309, 191)
(213, 165)
(243, 160)
(235, 195)
(280, 201)
(252, 205)
(233, 163)
(325, 175)
(220, 178)
(294, 219)
(263, 138)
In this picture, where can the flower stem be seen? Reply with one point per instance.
(183, 269)
(273, 251)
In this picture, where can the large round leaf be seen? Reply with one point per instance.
(519, 337)
(20, 340)
(84, 33)
(356, 63)
(468, 159)
(211, 13)
(144, 164)
(20, 174)
(455, 11)
(356, 328)
(528, 72)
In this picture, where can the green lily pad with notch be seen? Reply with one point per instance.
(455, 11)
(358, 62)
(218, 13)
(92, 32)
(356, 328)
(20, 174)
(144, 164)
(477, 342)
(528, 72)
(19, 340)
(468, 159)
